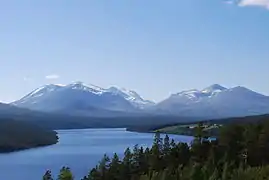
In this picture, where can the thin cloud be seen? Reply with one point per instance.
(229, 2)
(52, 76)
(27, 79)
(244, 3)
(261, 3)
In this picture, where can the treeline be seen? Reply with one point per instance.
(239, 153)
(183, 121)
(16, 135)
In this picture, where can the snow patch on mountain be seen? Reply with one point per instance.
(213, 101)
(86, 87)
(216, 101)
(38, 93)
(131, 96)
(194, 95)
(47, 91)
(214, 88)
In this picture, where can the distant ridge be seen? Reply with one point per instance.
(78, 98)
(216, 101)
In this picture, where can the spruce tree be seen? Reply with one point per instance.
(114, 168)
(158, 141)
(166, 145)
(127, 164)
(104, 165)
(65, 174)
(94, 175)
(47, 175)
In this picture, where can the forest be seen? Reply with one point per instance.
(240, 152)
(186, 122)
(16, 135)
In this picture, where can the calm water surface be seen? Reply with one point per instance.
(79, 149)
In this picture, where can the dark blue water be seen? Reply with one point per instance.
(79, 149)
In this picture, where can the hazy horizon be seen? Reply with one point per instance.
(155, 48)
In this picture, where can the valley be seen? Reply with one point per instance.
(92, 121)
(134, 90)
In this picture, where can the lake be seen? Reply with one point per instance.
(79, 149)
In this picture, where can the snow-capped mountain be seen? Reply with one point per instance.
(132, 97)
(216, 101)
(81, 97)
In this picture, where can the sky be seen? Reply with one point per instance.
(154, 47)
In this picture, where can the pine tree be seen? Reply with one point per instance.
(94, 175)
(127, 165)
(47, 175)
(147, 159)
(114, 168)
(172, 144)
(156, 153)
(136, 158)
(166, 145)
(158, 141)
(143, 167)
(103, 166)
(127, 160)
(65, 174)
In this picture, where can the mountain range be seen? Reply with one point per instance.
(216, 101)
(78, 98)
(81, 99)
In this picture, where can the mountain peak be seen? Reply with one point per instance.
(86, 87)
(130, 95)
(125, 92)
(109, 97)
(214, 88)
(77, 83)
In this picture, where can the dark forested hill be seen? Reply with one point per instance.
(184, 127)
(16, 135)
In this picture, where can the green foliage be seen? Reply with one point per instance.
(65, 174)
(166, 145)
(239, 153)
(254, 173)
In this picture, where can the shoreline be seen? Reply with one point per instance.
(25, 149)
(36, 146)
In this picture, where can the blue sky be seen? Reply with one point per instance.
(154, 47)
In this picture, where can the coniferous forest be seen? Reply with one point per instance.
(240, 152)
(17, 135)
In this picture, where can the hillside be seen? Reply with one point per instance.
(64, 121)
(15, 135)
(216, 101)
(211, 126)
